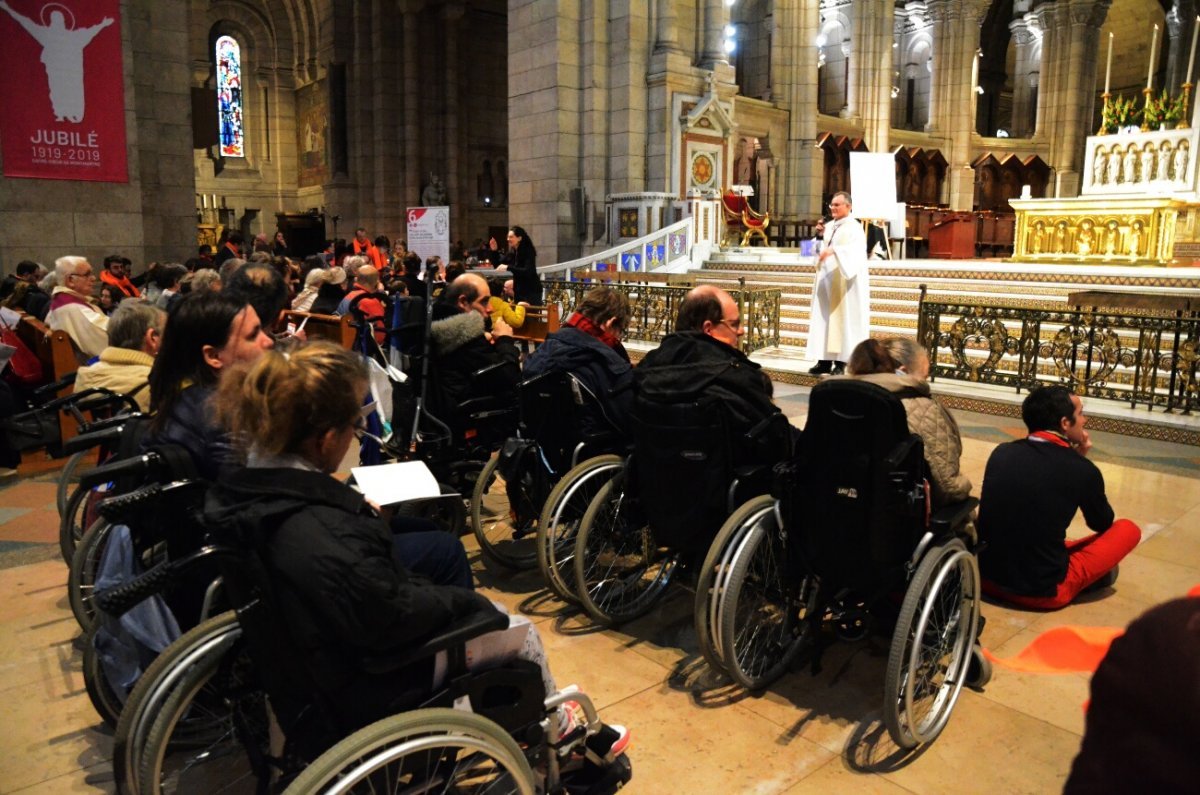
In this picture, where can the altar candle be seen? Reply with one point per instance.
(1150, 71)
(1108, 68)
(1192, 57)
(204, 200)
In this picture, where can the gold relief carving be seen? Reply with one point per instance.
(1097, 230)
(627, 220)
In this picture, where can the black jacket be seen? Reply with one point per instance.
(340, 591)
(460, 349)
(192, 425)
(1031, 491)
(600, 368)
(527, 285)
(329, 296)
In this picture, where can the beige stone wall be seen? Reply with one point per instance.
(150, 217)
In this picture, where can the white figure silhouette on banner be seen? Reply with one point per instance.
(62, 55)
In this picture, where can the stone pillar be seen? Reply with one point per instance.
(666, 28)
(1022, 102)
(794, 83)
(1070, 49)
(952, 111)
(412, 103)
(384, 174)
(871, 69)
(716, 17)
(455, 190)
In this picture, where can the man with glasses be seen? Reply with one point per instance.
(703, 354)
(462, 346)
(71, 307)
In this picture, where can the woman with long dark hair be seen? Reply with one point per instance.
(522, 263)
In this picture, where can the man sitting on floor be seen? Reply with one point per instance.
(1031, 490)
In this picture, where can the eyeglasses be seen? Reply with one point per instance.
(87, 275)
(734, 324)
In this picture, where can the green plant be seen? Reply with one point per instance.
(1163, 109)
(1120, 113)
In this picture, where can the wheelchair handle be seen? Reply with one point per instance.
(138, 465)
(49, 390)
(86, 441)
(120, 599)
(114, 508)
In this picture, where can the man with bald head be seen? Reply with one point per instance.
(461, 345)
(365, 301)
(703, 355)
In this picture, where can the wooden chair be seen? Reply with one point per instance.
(540, 321)
(59, 358)
(740, 218)
(335, 328)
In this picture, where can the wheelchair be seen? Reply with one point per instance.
(661, 509)
(227, 708)
(509, 497)
(846, 530)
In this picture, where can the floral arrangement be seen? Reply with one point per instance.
(1119, 113)
(1162, 110)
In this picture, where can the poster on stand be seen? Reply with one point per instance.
(429, 232)
(64, 90)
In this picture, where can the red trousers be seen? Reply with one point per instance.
(1089, 559)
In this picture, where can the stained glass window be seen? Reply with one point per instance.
(229, 97)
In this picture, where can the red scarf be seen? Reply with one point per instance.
(580, 322)
(123, 284)
(1050, 436)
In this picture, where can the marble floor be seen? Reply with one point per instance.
(809, 733)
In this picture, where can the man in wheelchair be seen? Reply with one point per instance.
(346, 600)
(462, 346)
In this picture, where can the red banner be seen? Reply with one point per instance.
(63, 91)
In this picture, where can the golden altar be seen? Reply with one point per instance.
(1116, 230)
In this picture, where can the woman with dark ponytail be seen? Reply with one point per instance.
(522, 262)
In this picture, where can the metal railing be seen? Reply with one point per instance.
(1140, 357)
(656, 306)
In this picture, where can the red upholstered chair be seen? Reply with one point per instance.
(741, 219)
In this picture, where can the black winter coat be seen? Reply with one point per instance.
(460, 349)
(600, 368)
(192, 425)
(340, 591)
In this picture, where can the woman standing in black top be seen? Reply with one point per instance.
(522, 262)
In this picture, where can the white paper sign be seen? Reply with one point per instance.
(429, 232)
(873, 179)
(388, 484)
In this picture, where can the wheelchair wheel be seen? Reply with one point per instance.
(619, 568)
(71, 522)
(68, 480)
(199, 739)
(84, 565)
(561, 515)
(506, 530)
(430, 750)
(104, 697)
(213, 637)
(931, 647)
(763, 618)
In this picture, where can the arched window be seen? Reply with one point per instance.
(229, 98)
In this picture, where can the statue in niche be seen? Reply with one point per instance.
(1113, 166)
(1135, 239)
(1164, 162)
(1180, 164)
(434, 194)
(1147, 165)
(1129, 166)
(1111, 239)
(1060, 238)
(1037, 238)
(1087, 234)
(1099, 166)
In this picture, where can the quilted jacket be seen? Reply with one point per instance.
(937, 429)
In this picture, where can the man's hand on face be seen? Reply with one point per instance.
(501, 329)
(1084, 446)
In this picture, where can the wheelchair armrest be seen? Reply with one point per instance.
(95, 438)
(949, 517)
(900, 452)
(137, 465)
(456, 634)
(44, 393)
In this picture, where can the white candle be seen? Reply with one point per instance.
(204, 200)
(1192, 57)
(1150, 71)
(1108, 69)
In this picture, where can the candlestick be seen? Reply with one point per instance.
(1183, 122)
(1150, 71)
(1146, 92)
(1108, 68)
(1106, 97)
(1192, 57)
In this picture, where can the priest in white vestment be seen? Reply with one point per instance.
(840, 315)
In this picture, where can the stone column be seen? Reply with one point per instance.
(412, 102)
(794, 83)
(716, 17)
(1075, 30)
(666, 28)
(453, 13)
(1022, 108)
(952, 103)
(871, 69)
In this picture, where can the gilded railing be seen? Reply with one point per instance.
(1144, 358)
(655, 307)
